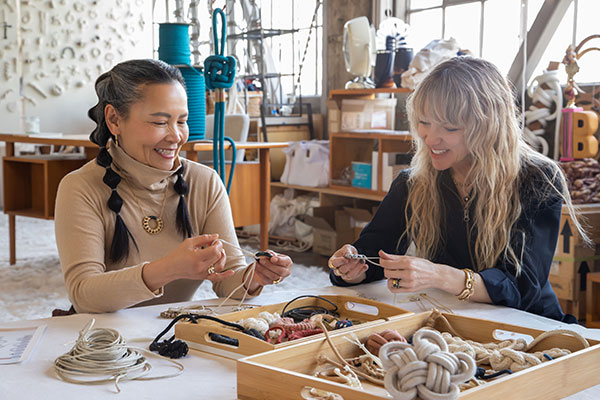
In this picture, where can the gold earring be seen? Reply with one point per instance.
(116, 140)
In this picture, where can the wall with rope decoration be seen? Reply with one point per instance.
(57, 49)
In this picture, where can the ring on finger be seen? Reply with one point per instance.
(331, 266)
(211, 269)
(396, 283)
(276, 281)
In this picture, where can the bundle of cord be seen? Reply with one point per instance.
(301, 313)
(177, 348)
(102, 353)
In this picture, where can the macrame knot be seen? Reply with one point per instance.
(170, 348)
(425, 368)
(219, 72)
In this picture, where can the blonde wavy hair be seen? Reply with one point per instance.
(471, 93)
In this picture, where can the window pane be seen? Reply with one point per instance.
(501, 16)
(303, 13)
(462, 23)
(417, 4)
(425, 26)
(555, 50)
(282, 14)
(587, 24)
(266, 16)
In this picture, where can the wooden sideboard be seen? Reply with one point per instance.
(30, 182)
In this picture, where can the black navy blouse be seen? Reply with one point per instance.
(537, 226)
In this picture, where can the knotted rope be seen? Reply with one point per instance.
(509, 354)
(219, 73)
(426, 368)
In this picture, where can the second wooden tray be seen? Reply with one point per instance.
(355, 308)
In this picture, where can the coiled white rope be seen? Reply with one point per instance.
(425, 368)
(548, 96)
(102, 353)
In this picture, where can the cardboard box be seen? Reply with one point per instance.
(365, 114)
(568, 273)
(332, 229)
(333, 116)
(359, 218)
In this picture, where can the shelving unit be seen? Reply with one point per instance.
(346, 147)
(31, 183)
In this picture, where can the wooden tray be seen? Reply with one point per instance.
(349, 307)
(286, 373)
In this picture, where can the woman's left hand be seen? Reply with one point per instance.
(408, 274)
(272, 270)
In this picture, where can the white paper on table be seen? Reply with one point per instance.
(16, 344)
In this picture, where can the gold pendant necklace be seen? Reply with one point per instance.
(465, 198)
(157, 227)
(151, 223)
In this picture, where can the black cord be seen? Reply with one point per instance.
(480, 374)
(301, 313)
(178, 348)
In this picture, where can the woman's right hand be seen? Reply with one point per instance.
(200, 257)
(350, 270)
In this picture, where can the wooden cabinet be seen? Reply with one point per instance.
(31, 183)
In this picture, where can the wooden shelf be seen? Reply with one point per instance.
(365, 92)
(393, 135)
(29, 212)
(336, 190)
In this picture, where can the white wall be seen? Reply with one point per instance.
(63, 46)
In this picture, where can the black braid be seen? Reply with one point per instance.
(119, 248)
(183, 217)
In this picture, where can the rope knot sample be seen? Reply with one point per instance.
(425, 368)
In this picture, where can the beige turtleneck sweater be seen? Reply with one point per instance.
(85, 226)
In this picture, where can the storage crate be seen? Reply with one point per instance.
(286, 373)
(198, 335)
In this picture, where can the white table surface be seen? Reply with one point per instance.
(206, 376)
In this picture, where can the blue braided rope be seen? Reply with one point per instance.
(219, 74)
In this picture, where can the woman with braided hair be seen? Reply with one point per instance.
(478, 211)
(139, 225)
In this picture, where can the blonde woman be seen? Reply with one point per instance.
(480, 206)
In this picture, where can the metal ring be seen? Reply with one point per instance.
(396, 283)
(276, 281)
(211, 269)
(331, 266)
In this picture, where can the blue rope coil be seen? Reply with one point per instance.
(174, 49)
(196, 100)
(174, 44)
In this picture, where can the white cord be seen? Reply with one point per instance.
(102, 353)
(549, 96)
(247, 279)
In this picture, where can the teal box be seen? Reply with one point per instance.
(362, 175)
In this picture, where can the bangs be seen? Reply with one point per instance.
(444, 100)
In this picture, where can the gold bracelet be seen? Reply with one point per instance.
(469, 289)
